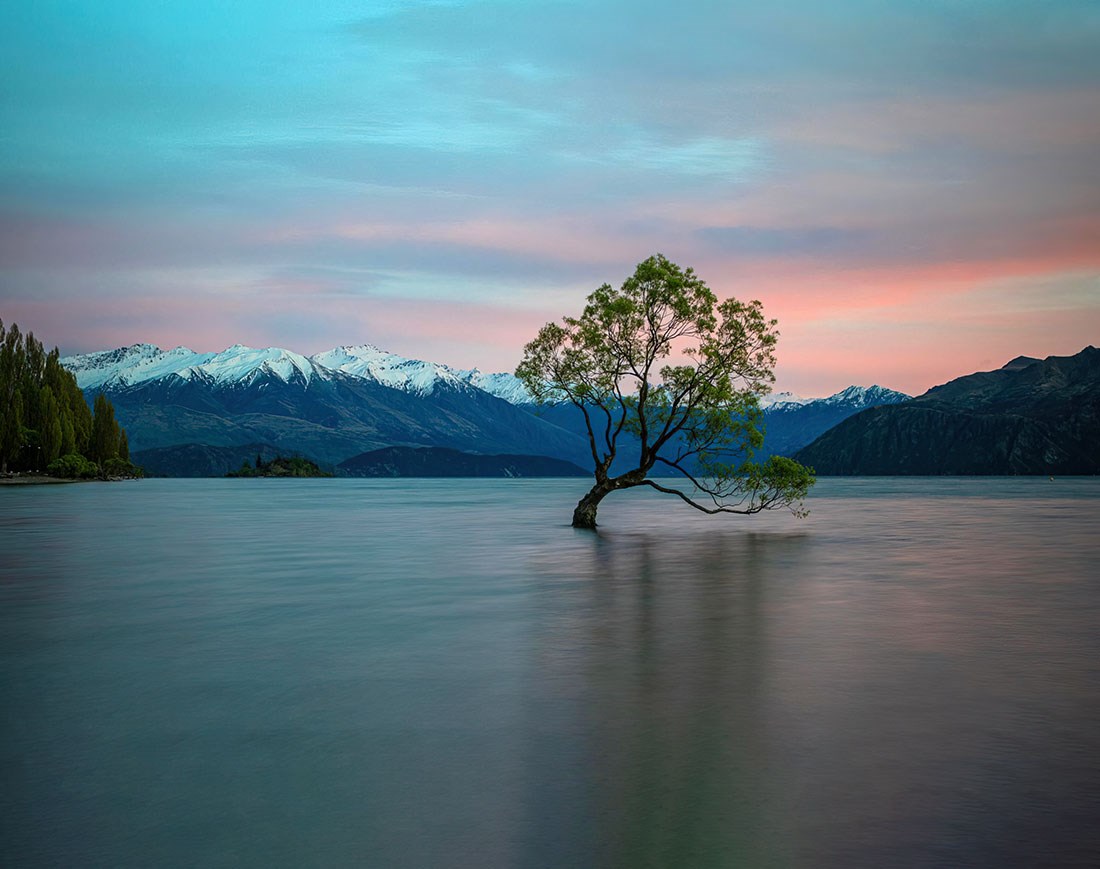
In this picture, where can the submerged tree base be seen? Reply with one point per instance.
(584, 516)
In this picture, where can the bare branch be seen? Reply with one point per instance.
(755, 508)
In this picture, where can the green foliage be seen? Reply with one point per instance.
(73, 466)
(68, 435)
(697, 415)
(279, 466)
(116, 466)
(49, 436)
(43, 414)
(105, 431)
(11, 429)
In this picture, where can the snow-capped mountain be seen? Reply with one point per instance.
(371, 363)
(128, 366)
(141, 363)
(502, 385)
(852, 396)
(783, 399)
(240, 364)
(791, 424)
(863, 396)
(329, 406)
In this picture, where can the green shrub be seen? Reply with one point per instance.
(73, 465)
(119, 467)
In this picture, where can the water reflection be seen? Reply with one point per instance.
(656, 717)
(777, 699)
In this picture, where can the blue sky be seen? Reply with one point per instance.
(912, 188)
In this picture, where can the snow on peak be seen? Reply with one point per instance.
(139, 363)
(502, 385)
(852, 396)
(415, 375)
(129, 365)
(866, 396)
(240, 363)
(784, 399)
(389, 369)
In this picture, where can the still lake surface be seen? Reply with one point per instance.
(444, 674)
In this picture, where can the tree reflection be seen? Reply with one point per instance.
(651, 742)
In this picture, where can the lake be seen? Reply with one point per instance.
(430, 673)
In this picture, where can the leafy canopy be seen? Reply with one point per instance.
(664, 361)
(44, 418)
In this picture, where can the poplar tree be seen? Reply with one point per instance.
(105, 433)
(43, 413)
(11, 430)
(49, 428)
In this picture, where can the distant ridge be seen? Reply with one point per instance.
(200, 460)
(442, 462)
(1029, 417)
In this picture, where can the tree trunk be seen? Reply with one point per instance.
(585, 514)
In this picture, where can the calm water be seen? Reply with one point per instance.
(443, 674)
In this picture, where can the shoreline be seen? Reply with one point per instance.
(36, 480)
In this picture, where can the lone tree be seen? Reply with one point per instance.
(699, 419)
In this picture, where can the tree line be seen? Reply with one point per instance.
(46, 425)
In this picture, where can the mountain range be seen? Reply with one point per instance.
(328, 407)
(189, 413)
(1032, 416)
(113, 370)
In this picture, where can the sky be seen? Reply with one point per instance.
(911, 187)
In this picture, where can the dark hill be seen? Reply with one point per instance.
(1030, 417)
(200, 460)
(789, 427)
(443, 462)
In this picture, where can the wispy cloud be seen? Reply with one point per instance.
(795, 241)
(728, 159)
(837, 160)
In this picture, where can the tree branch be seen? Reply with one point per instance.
(753, 508)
